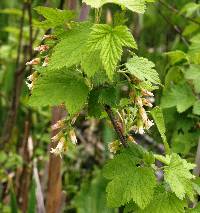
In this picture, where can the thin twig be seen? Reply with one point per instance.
(174, 10)
(116, 126)
(175, 28)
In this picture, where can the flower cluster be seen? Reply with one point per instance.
(65, 135)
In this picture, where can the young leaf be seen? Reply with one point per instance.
(60, 86)
(177, 174)
(69, 51)
(133, 5)
(180, 95)
(128, 182)
(110, 40)
(160, 123)
(143, 69)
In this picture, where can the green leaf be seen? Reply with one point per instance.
(92, 197)
(133, 5)
(70, 50)
(193, 73)
(109, 41)
(165, 202)
(55, 17)
(179, 95)
(143, 69)
(60, 86)
(108, 96)
(128, 182)
(32, 198)
(189, 9)
(91, 62)
(196, 108)
(177, 57)
(160, 123)
(94, 107)
(177, 174)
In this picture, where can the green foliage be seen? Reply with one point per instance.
(109, 41)
(164, 202)
(179, 95)
(143, 69)
(69, 51)
(159, 120)
(60, 86)
(178, 176)
(54, 17)
(134, 5)
(92, 196)
(128, 182)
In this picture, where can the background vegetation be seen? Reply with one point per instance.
(34, 180)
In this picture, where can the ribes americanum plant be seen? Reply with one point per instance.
(80, 65)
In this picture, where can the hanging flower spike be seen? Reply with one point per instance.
(60, 148)
(46, 61)
(114, 146)
(147, 93)
(72, 136)
(42, 48)
(58, 125)
(35, 61)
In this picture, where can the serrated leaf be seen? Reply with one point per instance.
(193, 73)
(94, 107)
(110, 40)
(179, 95)
(143, 69)
(165, 202)
(177, 174)
(160, 123)
(133, 5)
(91, 62)
(128, 182)
(55, 17)
(108, 96)
(70, 50)
(60, 86)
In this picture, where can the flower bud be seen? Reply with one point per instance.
(143, 114)
(72, 136)
(138, 101)
(146, 102)
(147, 93)
(42, 48)
(35, 61)
(114, 146)
(60, 148)
(59, 124)
(48, 37)
(29, 85)
(46, 61)
(57, 137)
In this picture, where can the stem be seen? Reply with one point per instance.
(174, 10)
(116, 126)
(196, 170)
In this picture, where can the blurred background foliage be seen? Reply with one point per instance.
(168, 34)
